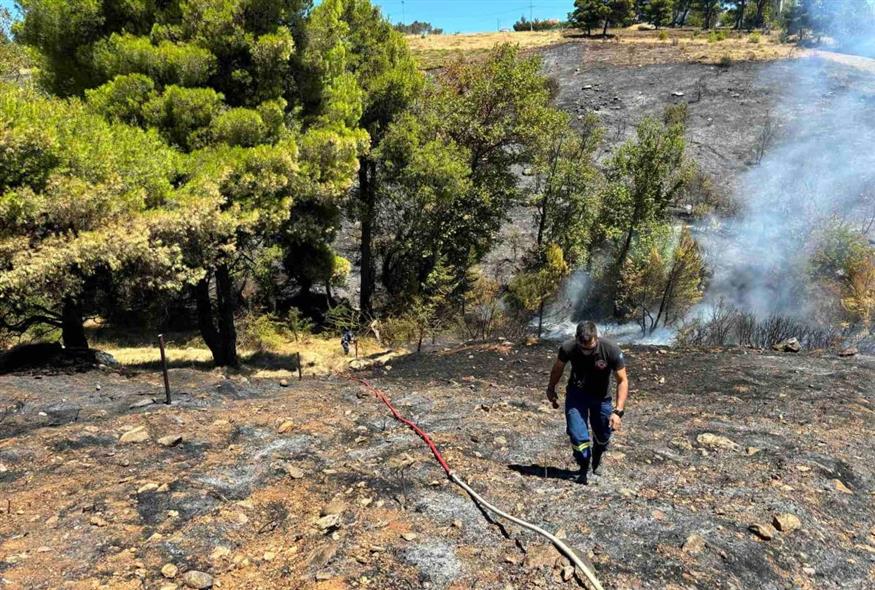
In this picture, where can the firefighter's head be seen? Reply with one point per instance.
(587, 336)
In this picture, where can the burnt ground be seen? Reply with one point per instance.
(241, 496)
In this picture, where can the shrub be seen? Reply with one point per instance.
(725, 61)
(716, 36)
(662, 36)
(754, 37)
(262, 333)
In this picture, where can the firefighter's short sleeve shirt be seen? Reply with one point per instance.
(591, 373)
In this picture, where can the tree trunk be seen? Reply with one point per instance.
(739, 21)
(367, 212)
(72, 330)
(225, 307)
(219, 333)
(540, 317)
(605, 30)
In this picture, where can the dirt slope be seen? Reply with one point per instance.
(241, 497)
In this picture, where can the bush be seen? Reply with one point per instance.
(662, 36)
(725, 61)
(716, 36)
(727, 325)
(754, 37)
(261, 333)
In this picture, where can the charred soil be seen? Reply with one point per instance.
(314, 485)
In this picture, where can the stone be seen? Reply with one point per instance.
(764, 531)
(786, 522)
(286, 426)
(171, 440)
(320, 557)
(336, 506)
(135, 435)
(269, 556)
(567, 572)
(62, 413)
(326, 523)
(694, 544)
(715, 441)
(169, 587)
(146, 488)
(409, 536)
(500, 441)
(219, 553)
(227, 387)
(540, 555)
(849, 351)
(788, 345)
(294, 472)
(141, 404)
(841, 487)
(751, 451)
(284, 382)
(197, 580)
(169, 570)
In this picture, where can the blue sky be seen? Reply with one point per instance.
(463, 16)
(472, 15)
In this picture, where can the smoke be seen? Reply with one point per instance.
(822, 172)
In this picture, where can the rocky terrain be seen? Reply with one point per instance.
(734, 469)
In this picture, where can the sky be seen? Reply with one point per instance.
(468, 16)
(462, 16)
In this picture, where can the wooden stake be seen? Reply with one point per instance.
(300, 374)
(164, 369)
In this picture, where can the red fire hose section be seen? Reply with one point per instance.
(558, 543)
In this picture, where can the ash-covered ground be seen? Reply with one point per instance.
(314, 485)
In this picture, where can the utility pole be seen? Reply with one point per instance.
(403, 17)
(531, 26)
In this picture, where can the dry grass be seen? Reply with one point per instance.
(319, 355)
(624, 47)
(434, 51)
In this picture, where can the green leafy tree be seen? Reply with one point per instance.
(539, 281)
(224, 83)
(659, 12)
(566, 192)
(351, 42)
(448, 166)
(79, 204)
(662, 279)
(588, 14)
(644, 176)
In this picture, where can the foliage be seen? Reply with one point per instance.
(644, 176)
(566, 191)
(716, 36)
(539, 281)
(80, 199)
(844, 265)
(658, 12)
(446, 169)
(547, 24)
(754, 37)
(299, 324)
(418, 28)
(224, 83)
(662, 278)
(588, 14)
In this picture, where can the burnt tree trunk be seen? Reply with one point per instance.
(216, 323)
(367, 198)
(72, 330)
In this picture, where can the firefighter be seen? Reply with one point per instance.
(587, 395)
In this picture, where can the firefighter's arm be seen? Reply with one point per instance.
(555, 376)
(622, 393)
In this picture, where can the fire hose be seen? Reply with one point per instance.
(558, 543)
